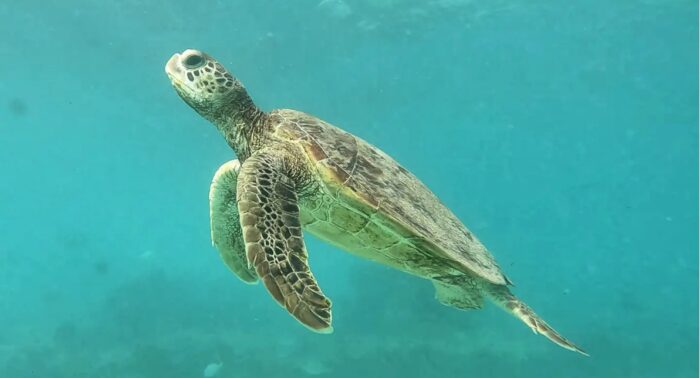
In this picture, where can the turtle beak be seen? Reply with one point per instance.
(172, 68)
(176, 74)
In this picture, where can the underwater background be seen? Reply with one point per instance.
(563, 133)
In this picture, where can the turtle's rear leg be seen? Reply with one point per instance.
(502, 296)
(458, 290)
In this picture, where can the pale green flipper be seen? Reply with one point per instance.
(226, 234)
(465, 295)
(267, 201)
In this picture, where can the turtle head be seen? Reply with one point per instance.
(206, 86)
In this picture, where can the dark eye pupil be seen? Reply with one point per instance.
(193, 61)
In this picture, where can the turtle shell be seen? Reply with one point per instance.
(362, 174)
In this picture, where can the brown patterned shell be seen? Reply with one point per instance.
(364, 174)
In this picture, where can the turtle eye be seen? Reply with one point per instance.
(193, 61)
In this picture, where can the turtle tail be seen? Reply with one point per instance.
(502, 296)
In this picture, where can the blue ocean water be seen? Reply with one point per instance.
(563, 133)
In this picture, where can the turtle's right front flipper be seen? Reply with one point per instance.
(267, 201)
(226, 234)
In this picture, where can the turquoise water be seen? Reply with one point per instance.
(563, 133)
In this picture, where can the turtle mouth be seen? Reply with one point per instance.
(176, 74)
(172, 68)
(194, 74)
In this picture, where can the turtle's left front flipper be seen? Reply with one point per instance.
(267, 201)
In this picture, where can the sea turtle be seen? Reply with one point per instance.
(295, 171)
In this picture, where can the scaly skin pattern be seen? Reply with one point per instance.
(268, 206)
(300, 172)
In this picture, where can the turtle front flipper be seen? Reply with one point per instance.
(226, 234)
(267, 201)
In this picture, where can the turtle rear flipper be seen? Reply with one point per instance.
(462, 297)
(502, 296)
